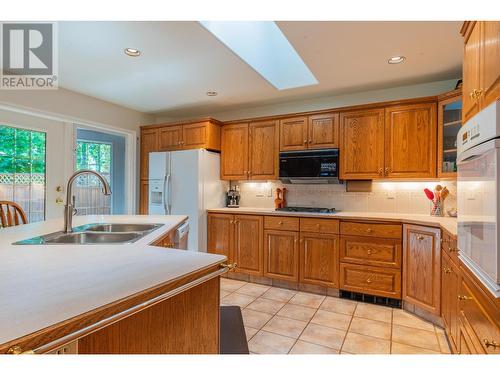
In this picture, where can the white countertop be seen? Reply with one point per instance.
(41, 285)
(448, 223)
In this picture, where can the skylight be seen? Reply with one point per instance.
(262, 45)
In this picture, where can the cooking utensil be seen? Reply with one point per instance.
(429, 194)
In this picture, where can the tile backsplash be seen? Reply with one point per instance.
(391, 197)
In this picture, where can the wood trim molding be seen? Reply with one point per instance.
(181, 122)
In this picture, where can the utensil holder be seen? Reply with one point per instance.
(437, 208)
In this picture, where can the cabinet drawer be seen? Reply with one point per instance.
(379, 281)
(449, 246)
(383, 252)
(281, 223)
(319, 225)
(480, 312)
(371, 229)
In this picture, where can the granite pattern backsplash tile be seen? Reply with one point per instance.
(388, 197)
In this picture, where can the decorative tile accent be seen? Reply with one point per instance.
(285, 326)
(269, 343)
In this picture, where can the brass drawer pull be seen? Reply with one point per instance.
(453, 249)
(369, 230)
(16, 349)
(492, 343)
(368, 281)
(446, 270)
(420, 237)
(280, 222)
(231, 266)
(371, 251)
(465, 298)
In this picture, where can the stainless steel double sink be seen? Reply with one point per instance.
(101, 233)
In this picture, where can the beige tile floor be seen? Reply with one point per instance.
(281, 321)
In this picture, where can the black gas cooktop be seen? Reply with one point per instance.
(320, 210)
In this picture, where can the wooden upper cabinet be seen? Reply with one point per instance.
(263, 150)
(170, 138)
(195, 135)
(220, 234)
(490, 62)
(410, 141)
(323, 131)
(362, 144)
(471, 72)
(319, 259)
(234, 152)
(422, 267)
(248, 241)
(149, 143)
(293, 134)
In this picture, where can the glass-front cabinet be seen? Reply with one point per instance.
(449, 123)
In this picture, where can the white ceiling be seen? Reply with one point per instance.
(181, 61)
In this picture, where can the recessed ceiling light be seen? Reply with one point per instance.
(396, 59)
(211, 93)
(132, 52)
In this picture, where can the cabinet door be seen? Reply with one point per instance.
(171, 138)
(319, 259)
(248, 240)
(220, 234)
(362, 144)
(490, 62)
(422, 267)
(323, 131)
(449, 300)
(144, 199)
(149, 143)
(234, 152)
(470, 75)
(263, 150)
(281, 255)
(194, 135)
(410, 141)
(293, 134)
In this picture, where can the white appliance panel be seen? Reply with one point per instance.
(159, 165)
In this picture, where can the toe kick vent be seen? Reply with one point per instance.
(368, 298)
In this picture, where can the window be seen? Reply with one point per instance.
(96, 156)
(22, 169)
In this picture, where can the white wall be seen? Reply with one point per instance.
(327, 102)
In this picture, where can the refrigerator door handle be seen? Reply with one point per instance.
(169, 197)
(166, 200)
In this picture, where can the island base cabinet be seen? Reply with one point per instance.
(319, 259)
(185, 324)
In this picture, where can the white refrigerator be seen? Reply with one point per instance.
(186, 183)
(478, 195)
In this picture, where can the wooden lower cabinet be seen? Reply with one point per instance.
(422, 267)
(382, 252)
(319, 259)
(378, 281)
(248, 241)
(450, 279)
(144, 194)
(221, 235)
(281, 255)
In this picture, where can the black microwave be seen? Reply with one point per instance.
(309, 167)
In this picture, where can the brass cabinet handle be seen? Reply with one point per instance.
(280, 222)
(380, 172)
(492, 343)
(231, 266)
(472, 94)
(453, 249)
(16, 349)
(446, 270)
(368, 281)
(305, 141)
(369, 230)
(371, 251)
(464, 298)
(420, 237)
(310, 141)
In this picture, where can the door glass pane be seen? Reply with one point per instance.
(22, 169)
(89, 197)
(452, 121)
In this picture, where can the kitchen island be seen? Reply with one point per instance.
(107, 298)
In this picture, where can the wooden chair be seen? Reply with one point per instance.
(11, 213)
